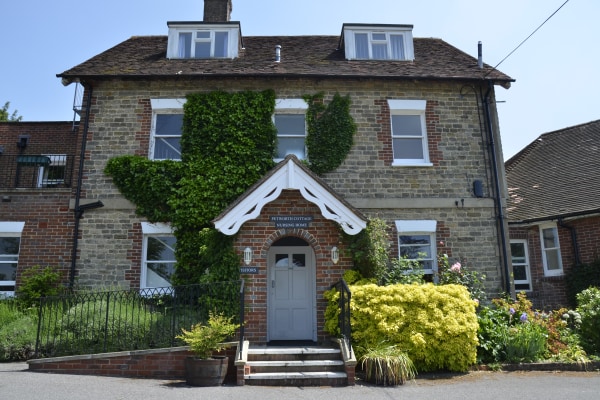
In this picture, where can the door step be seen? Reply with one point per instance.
(295, 366)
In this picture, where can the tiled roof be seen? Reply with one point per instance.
(318, 56)
(556, 175)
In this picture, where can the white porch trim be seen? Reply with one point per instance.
(289, 174)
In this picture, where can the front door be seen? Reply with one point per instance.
(291, 310)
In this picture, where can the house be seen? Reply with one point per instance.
(553, 211)
(425, 157)
(38, 174)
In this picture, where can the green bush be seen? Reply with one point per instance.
(18, 330)
(435, 325)
(37, 282)
(582, 277)
(588, 306)
(83, 327)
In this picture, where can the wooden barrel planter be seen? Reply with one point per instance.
(206, 372)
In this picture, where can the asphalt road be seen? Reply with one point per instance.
(16, 382)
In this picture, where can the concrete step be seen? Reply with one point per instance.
(295, 366)
(298, 379)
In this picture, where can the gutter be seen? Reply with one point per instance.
(496, 177)
(556, 217)
(80, 209)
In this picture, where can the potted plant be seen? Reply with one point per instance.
(387, 365)
(204, 368)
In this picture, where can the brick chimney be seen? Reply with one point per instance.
(217, 10)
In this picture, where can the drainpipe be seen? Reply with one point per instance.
(573, 231)
(78, 210)
(496, 178)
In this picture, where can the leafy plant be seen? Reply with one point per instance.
(435, 325)
(387, 365)
(459, 274)
(18, 329)
(369, 249)
(37, 282)
(403, 271)
(581, 277)
(330, 132)
(589, 308)
(204, 339)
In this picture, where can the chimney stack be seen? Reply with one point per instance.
(217, 10)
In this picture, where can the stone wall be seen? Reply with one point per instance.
(121, 120)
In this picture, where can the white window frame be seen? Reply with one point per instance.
(414, 108)
(524, 263)
(545, 250)
(175, 51)
(350, 32)
(56, 160)
(10, 229)
(291, 106)
(163, 106)
(421, 228)
(149, 230)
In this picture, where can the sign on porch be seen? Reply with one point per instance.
(292, 221)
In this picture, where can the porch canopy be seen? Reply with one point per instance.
(290, 174)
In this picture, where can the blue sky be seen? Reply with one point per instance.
(556, 70)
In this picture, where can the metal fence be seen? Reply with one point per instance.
(99, 322)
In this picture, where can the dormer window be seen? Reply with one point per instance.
(202, 41)
(378, 42)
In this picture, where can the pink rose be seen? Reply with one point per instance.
(455, 267)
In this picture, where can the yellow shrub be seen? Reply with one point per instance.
(435, 325)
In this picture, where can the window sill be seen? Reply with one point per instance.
(411, 164)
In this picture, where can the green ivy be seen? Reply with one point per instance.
(228, 143)
(370, 249)
(330, 132)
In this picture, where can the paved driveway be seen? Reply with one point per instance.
(16, 383)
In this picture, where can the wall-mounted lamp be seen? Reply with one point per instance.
(247, 255)
(335, 254)
(23, 141)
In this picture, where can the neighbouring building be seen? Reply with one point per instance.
(426, 158)
(553, 211)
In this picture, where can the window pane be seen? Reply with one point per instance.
(185, 45)
(552, 259)
(549, 238)
(408, 148)
(414, 239)
(378, 36)
(9, 248)
(397, 45)
(202, 50)
(520, 272)
(221, 44)
(290, 124)
(361, 44)
(282, 260)
(299, 260)
(517, 250)
(406, 125)
(293, 146)
(161, 248)
(167, 149)
(169, 124)
(203, 35)
(380, 51)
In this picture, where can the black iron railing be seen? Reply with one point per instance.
(36, 171)
(99, 322)
(344, 318)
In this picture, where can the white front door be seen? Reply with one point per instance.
(291, 310)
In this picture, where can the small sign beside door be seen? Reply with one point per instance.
(248, 270)
(292, 221)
